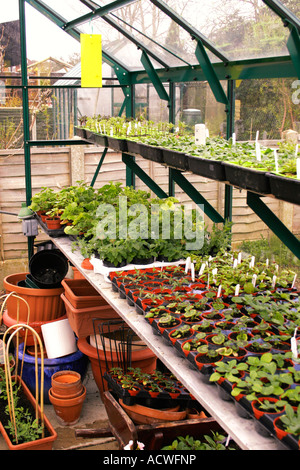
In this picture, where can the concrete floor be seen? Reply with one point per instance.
(93, 415)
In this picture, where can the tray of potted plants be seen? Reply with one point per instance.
(134, 385)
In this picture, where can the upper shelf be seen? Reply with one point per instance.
(257, 181)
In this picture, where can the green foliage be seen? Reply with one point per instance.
(272, 249)
(215, 441)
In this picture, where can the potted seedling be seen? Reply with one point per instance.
(288, 425)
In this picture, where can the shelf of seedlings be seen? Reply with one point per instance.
(193, 321)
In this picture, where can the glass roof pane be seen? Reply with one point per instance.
(292, 5)
(241, 29)
(68, 9)
(158, 32)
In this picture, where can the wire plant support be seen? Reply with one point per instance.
(114, 339)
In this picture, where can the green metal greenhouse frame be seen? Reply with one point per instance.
(213, 73)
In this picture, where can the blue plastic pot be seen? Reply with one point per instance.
(76, 361)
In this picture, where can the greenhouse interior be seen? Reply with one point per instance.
(149, 225)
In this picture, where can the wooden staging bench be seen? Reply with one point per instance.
(241, 430)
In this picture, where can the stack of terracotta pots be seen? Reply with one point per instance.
(67, 395)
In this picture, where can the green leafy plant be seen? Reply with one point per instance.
(229, 370)
(291, 420)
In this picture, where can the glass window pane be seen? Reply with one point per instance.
(241, 29)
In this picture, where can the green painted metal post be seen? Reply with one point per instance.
(26, 128)
(229, 131)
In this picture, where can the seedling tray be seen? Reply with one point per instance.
(130, 397)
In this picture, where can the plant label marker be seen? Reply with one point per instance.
(239, 257)
(91, 60)
(237, 289)
(188, 264)
(258, 152)
(233, 139)
(294, 348)
(202, 269)
(200, 134)
(276, 161)
(274, 281)
(294, 280)
(193, 271)
(219, 291)
(254, 280)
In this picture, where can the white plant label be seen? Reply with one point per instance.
(237, 290)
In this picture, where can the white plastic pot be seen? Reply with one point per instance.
(59, 338)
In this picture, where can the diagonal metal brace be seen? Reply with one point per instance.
(210, 74)
(99, 166)
(272, 221)
(154, 77)
(192, 192)
(137, 170)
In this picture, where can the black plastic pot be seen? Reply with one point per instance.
(80, 132)
(133, 148)
(100, 140)
(212, 169)
(48, 268)
(175, 159)
(155, 154)
(286, 189)
(117, 144)
(247, 178)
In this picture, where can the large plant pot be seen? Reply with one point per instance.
(44, 304)
(36, 325)
(48, 268)
(286, 189)
(81, 319)
(76, 362)
(247, 178)
(212, 169)
(141, 357)
(45, 443)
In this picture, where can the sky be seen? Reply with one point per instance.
(44, 39)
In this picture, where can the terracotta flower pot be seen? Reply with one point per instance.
(66, 383)
(86, 264)
(68, 410)
(53, 223)
(44, 304)
(143, 415)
